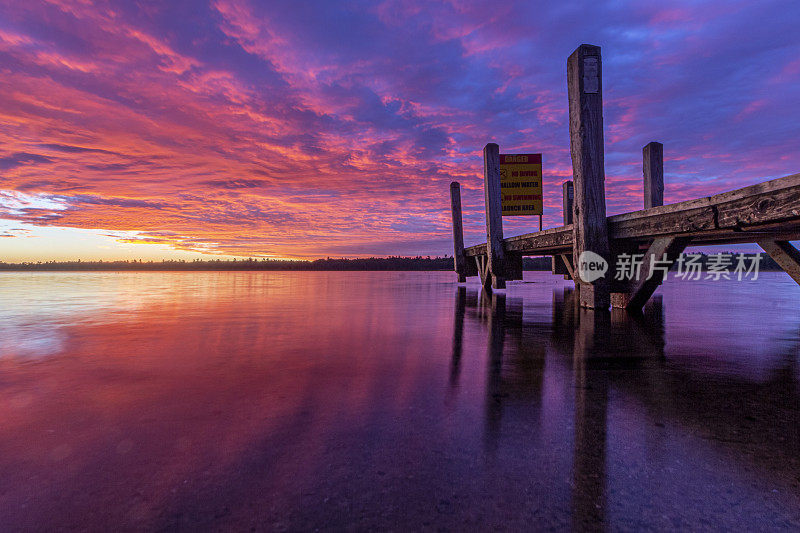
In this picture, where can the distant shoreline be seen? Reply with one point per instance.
(371, 264)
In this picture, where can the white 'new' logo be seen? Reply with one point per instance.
(591, 266)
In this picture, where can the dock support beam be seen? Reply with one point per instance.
(786, 255)
(562, 264)
(658, 259)
(590, 233)
(653, 188)
(653, 172)
(495, 268)
(459, 260)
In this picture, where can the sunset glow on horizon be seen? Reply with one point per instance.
(236, 128)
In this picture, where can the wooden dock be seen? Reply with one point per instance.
(767, 214)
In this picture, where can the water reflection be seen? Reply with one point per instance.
(619, 351)
(393, 401)
(595, 340)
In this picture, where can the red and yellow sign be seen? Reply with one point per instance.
(521, 184)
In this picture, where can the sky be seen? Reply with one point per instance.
(186, 129)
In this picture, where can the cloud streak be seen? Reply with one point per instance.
(335, 128)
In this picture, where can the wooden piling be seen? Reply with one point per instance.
(590, 234)
(567, 196)
(496, 268)
(653, 172)
(633, 294)
(459, 260)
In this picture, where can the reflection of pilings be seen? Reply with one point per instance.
(519, 377)
(564, 313)
(458, 335)
(589, 452)
(591, 402)
(593, 335)
(642, 334)
(496, 304)
(603, 341)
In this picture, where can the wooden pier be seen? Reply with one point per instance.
(767, 214)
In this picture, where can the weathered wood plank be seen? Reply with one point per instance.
(494, 217)
(791, 182)
(543, 242)
(585, 91)
(651, 224)
(459, 259)
(786, 255)
(653, 173)
(476, 250)
(768, 206)
(786, 231)
(765, 203)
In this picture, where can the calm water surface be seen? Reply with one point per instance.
(285, 401)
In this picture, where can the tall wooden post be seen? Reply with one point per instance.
(459, 260)
(633, 294)
(494, 218)
(653, 171)
(590, 234)
(567, 196)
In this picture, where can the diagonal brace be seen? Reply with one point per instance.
(665, 251)
(786, 255)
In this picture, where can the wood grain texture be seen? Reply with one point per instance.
(588, 167)
(554, 240)
(459, 259)
(494, 217)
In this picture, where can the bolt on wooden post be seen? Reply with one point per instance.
(459, 260)
(590, 234)
(495, 276)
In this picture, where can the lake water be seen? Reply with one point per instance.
(305, 400)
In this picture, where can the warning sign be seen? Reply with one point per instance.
(521, 184)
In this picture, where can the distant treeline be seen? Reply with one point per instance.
(371, 263)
